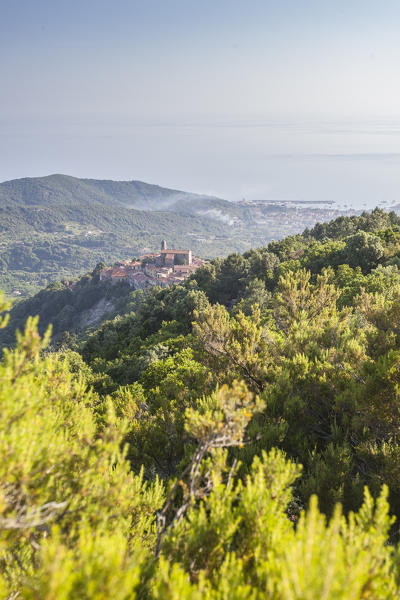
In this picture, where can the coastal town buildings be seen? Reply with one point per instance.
(165, 268)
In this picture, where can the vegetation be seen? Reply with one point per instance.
(72, 307)
(233, 437)
(58, 227)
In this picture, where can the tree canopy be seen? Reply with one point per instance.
(236, 436)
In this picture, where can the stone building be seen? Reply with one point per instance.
(169, 258)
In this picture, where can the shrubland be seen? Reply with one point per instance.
(233, 437)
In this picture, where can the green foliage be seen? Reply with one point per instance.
(75, 522)
(57, 227)
(99, 565)
(157, 434)
(309, 347)
(239, 543)
(61, 469)
(363, 250)
(178, 451)
(342, 227)
(72, 307)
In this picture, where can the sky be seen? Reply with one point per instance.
(283, 99)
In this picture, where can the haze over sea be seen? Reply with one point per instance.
(355, 164)
(280, 100)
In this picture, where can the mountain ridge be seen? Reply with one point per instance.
(59, 226)
(130, 194)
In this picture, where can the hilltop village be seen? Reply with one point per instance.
(164, 268)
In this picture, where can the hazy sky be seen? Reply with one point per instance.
(283, 98)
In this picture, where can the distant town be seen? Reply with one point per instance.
(164, 268)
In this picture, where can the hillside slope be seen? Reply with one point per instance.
(309, 323)
(59, 226)
(61, 190)
(235, 279)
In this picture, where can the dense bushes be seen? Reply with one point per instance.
(76, 523)
(234, 437)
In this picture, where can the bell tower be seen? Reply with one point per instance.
(163, 245)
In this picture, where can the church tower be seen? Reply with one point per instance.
(163, 245)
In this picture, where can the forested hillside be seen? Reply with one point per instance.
(232, 437)
(59, 227)
(72, 308)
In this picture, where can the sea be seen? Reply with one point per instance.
(350, 163)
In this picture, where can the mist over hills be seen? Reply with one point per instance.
(59, 226)
(61, 190)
